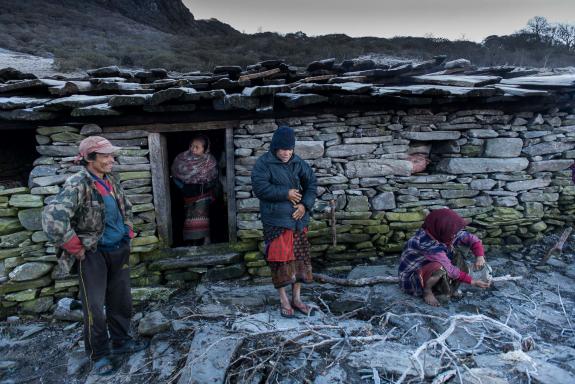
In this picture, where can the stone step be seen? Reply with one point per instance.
(193, 257)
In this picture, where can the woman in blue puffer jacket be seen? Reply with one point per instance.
(286, 187)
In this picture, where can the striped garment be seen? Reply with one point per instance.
(422, 249)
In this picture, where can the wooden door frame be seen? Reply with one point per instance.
(157, 144)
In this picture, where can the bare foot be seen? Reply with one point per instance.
(430, 299)
(302, 307)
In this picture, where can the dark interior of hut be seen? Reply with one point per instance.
(17, 155)
(177, 143)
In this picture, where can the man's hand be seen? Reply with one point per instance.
(479, 262)
(294, 196)
(480, 284)
(80, 255)
(299, 212)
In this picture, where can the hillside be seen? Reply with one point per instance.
(164, 33)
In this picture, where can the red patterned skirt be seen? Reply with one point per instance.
(288, 256)
(197, 222)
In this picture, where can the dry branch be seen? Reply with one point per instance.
(321, 278)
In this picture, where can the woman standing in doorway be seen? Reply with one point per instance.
(195, 173)
(286, 187)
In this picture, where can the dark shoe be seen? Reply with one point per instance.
(103, 367)
(130, 346)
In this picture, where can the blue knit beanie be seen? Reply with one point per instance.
(283, 138)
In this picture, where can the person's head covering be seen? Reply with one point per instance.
(95, 144)
(443, 225)
(283, 138)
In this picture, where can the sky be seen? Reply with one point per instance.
(454, 19)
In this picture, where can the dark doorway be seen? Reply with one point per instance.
(177, 143)
(17, 156)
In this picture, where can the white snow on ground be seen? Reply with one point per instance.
(39, 66)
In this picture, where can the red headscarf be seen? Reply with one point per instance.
(443, 225)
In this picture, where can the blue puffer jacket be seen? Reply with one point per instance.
(271, 181)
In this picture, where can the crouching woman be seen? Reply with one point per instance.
(429, 264)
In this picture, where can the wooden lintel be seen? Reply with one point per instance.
(177, 127)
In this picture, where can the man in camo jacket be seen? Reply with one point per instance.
(90, 220)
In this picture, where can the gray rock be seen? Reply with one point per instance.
(334, 375)
(206, 365)
(549, 165)
(547, 148)
(129, 100)
(30, 271)
(309, 149)
(431, 136)
(393, 358)
(31, 219)
(57, 150)
(226, 273)
(482, 165)
(458, 193)
(378, 167)
(482, 133)
(482, 184)
(357, 204)
(383, 201)
(26, 201)
(95, 110)
(297, 100)
(265, 90)
(64, 311)
(230, 102)
(90, 129)
(9, 225)
(249, 205)
(152, 323)
(74, 101)
(503, 147)
(367, 140)
(346, 150)
(39, 305)
(46, 181)
(339, 179)
(542, 197)
(506, 201)
(527, 184)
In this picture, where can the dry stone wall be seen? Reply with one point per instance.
(506, 172)
(29, 274)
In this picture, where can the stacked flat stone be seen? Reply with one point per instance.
(508, 173)
(28, 264)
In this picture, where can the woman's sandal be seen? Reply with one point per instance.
(287, 312)
(305, 309)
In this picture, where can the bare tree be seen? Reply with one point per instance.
(540, 27)
(566, 35)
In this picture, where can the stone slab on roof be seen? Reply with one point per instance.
(273, 85)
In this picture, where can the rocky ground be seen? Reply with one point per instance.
(516, 332)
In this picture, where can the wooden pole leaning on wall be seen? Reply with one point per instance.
(332, 204)
(557, 249)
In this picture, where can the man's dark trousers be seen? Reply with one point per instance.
(105, 281)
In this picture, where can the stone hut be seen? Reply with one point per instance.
(387, 142)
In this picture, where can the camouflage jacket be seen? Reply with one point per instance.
(78, 210)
